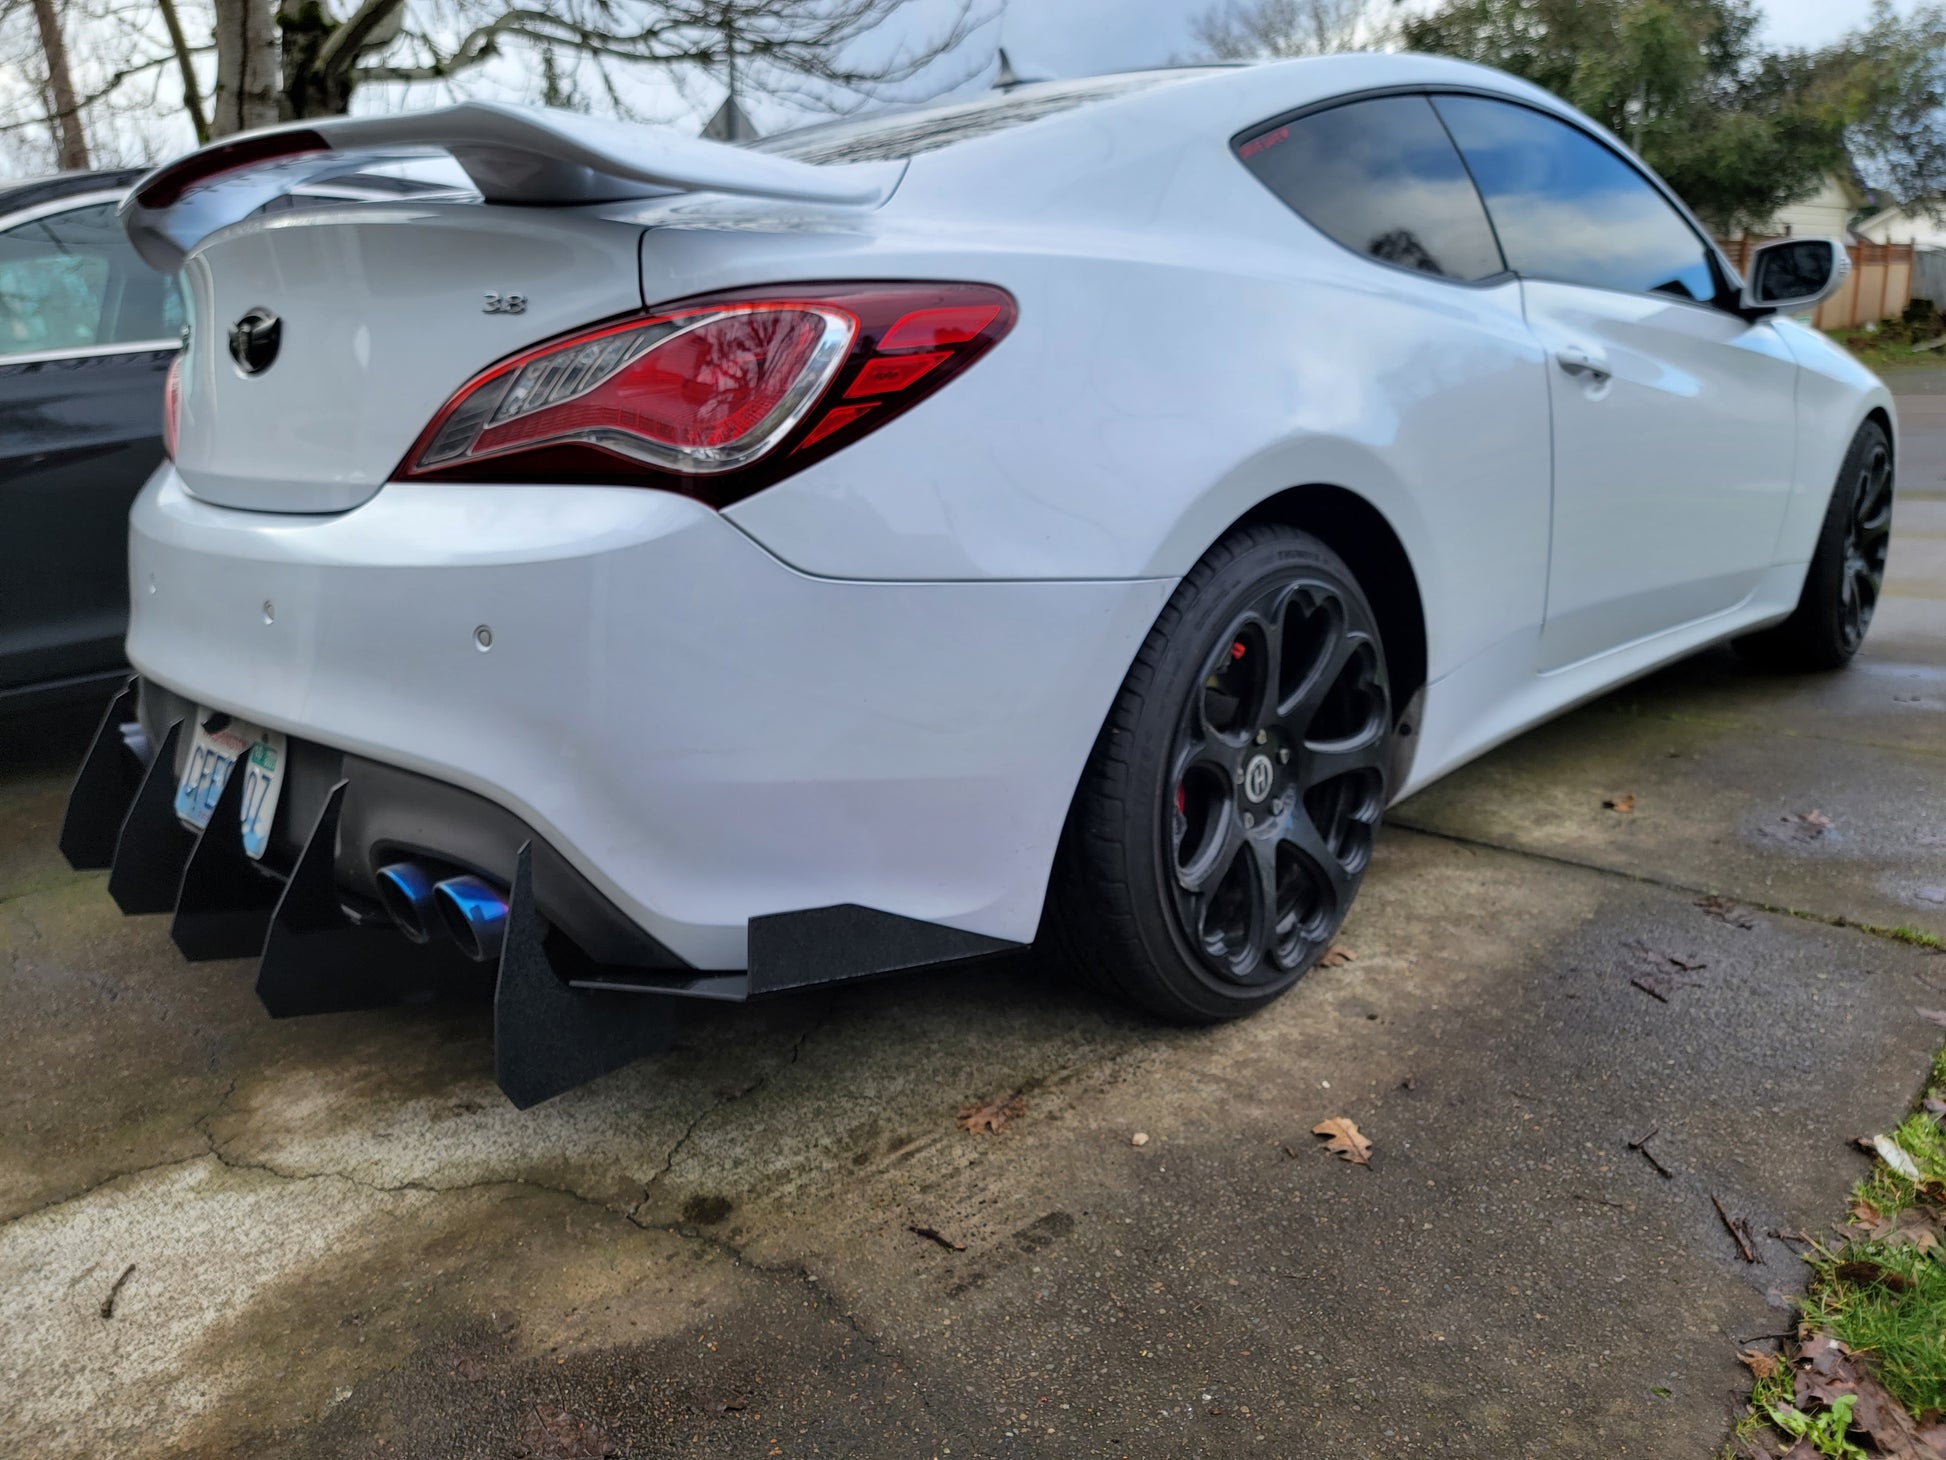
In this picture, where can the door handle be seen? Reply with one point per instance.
(1577, 361)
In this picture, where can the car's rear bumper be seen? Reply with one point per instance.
(703, 733)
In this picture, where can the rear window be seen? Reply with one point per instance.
(890, 136)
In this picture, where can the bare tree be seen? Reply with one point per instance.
(63, 107)
(246, 66)
(808, 51)
(192, 91)
(1254, 30)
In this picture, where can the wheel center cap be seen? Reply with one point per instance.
(1258, 774)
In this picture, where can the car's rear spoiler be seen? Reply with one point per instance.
(513, 154)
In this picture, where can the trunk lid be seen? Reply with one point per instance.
(381, 312)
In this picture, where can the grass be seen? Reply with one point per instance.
(1917, 937)
(1885, 1301)
(1890, 346)
(1902, 1328)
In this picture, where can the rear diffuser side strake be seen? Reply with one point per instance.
(225, 900)
(153, 846)
(109, 777)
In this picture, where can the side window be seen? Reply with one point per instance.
(1382, 178)
(1568, 208)
(71, 280)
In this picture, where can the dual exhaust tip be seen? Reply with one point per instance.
(469, 910)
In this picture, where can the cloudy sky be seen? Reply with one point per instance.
(1045, 38)
(1079, 36)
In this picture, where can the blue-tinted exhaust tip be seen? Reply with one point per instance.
(474, 913)
(405, 891)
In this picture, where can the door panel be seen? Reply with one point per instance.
(78, 437)
(86, 337)
(1673, 457)
(1673, 418)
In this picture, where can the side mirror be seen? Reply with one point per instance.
(1792, 274)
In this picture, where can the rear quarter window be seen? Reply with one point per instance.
(1382, 178)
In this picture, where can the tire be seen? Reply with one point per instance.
(1847, 569)
(1260, 694)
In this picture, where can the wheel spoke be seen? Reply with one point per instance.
(1301, 834)
(1209, 866)
(1262, 851)
(1864, 591)
(1320, 763)
(1873, 514)
(1306, 698)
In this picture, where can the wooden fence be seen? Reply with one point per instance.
(1879, 286)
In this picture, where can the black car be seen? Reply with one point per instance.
(87, 333)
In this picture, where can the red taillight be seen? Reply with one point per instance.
(714, 397)
(172, 406)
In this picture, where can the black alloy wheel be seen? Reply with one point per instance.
(1868, 535)
(1846, 574)
(1227, 816)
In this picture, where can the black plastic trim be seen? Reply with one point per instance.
(319, 960)
(826, 944)
(549, 1037)
(225, 901)
(153, 845)
(103, 790)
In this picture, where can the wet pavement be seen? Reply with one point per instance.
(221, 1235)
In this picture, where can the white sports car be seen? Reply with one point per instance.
(698, 571)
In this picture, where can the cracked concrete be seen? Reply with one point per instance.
(344, 1243)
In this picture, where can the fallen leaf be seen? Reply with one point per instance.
(1893, 1155)
(1725, 910)
(1827, 1372)
(1624, 804)
(993, 1115)
(1345, 1140)
(1863, 1272)
(1336, 955)
(1760, 1364)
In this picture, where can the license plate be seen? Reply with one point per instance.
(220, 743)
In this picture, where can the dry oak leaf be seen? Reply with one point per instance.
(1623, 804)
(1345, 1140)
(1760, 1364)
(993, 1116)
(1335, 955)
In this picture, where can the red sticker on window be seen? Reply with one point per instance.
(1264, 143)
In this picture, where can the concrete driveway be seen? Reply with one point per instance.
(332, 1237)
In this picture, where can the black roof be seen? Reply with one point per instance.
(31, 192)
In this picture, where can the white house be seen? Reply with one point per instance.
(1827, 213)
(1910, 224)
